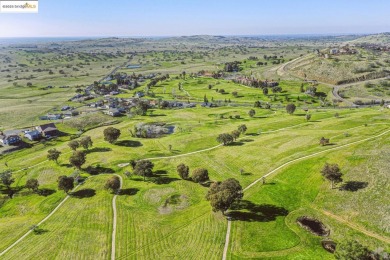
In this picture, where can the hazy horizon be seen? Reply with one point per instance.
(154, 18)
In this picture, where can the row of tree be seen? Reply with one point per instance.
(228, 138)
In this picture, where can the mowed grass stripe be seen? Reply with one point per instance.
(78, 230)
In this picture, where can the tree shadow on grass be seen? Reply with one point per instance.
(45, 192)
(11, 191)
(129, 192)
(160, 172)
(128, 143)
(157, 115)
(160, 178)
(353, 185)
(98, 150)
(252, 134)
(164, 180)
(247, 140)
(84, 193)
(245, 210)
(67, 165)
(95, 170)
(236, 144)
(39, 231)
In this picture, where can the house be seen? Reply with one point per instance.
(333, 51)
(71, 113)
(139, 94)
(113, 112)
(32, 135)
(9, 139)
(47, 130)
(54, 116)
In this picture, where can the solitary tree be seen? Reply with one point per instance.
(290, 108)
(352, 249)
(53, 154)
(222, 194)
(65, 183)
(32, 184)
(324, 141)
(133, 163)
(200, 175)
(144, 168)
(74, 145)
(111, 134)
(183, 171)
(86, 142)
(7, 180)
(235, 134)
(257, 104)
(77, 159)
(332, 173)
(252, 113)
(225, 138)
(242, 129)
(308, 117)
(113, 183)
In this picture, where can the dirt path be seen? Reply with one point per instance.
(114, 219)
(175, 156)
(355, 226)
(291, 162)
(227, 239)
(211, 148)
(40, 223)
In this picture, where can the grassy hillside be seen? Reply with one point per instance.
(342, 68)
(381, 39)
(155, 217)
(164, 216)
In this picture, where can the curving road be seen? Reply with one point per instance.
(282, 70)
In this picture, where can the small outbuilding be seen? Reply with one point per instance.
(9, 139)
(33, 135)
(47, 130)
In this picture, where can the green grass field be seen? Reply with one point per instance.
(166, 217)
(266, 228)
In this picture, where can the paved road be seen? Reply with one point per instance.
(282, 70)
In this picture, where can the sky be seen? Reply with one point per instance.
(79, 18)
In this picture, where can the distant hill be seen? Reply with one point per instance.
(381, 39)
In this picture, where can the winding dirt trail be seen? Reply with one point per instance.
(40, 223)
(114, 218)
(227, 239)
(355, 226)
